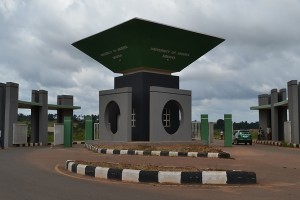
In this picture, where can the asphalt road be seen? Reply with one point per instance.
(31, 173)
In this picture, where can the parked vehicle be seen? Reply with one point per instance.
(242, 136)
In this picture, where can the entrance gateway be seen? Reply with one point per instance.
(146, 103)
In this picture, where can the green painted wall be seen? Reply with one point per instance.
(204, 128)
(68, 132)
(227, 130)
(89, 133)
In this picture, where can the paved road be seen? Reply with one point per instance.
(29, 173)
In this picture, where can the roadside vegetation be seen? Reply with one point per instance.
(78, 125)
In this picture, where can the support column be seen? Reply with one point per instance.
(2, 110)
(11, 112)
(293, 102)
(43, 117)
(264, 114)
(227, 130)
(274, 115)
(282, 114)
(66, 100)
(204, 129)
(89, 133)
(68, 132)
(211, 131)
(34, 137)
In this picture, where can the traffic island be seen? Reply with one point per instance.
(150, 152)
(207, 177)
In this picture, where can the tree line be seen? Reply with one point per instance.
(53, 117)
(237, 125)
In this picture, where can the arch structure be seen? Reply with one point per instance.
(9, 105)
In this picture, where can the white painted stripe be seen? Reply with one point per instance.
(109, 151)
(173, 153)
(70, 166)
(192, 154)
(214, 177)
(101, 172)
(213, 155)
(124, 152)
(169, 177)
(155, 153)
(139, 152)
(81, 169)
(99, 150)
(130, 175)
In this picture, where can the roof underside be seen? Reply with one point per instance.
(283, 103)
(138, 43)
(29, 105)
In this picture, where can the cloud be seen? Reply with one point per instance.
(260, 51)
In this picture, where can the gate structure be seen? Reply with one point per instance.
(9, 105)
(146, 103)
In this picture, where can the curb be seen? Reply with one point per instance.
(29, 145)
(276, 143)
(40, 144)
(169, 177)
(157, 153)
(79, 142)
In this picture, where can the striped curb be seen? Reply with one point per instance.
(276, 143)
(78, 142)
(29, 145)
(157, 153)
(166, 177)
(41, 144)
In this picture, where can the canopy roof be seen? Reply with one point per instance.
(138, 44)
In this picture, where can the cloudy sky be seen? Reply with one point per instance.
(261, 51)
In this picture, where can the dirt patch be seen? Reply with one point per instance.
(193, 147)
(142, 167)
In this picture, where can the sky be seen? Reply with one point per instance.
(261, 50)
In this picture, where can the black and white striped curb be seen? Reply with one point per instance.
(79, 142)
(157, 153)
(170, 177)
(41, 144)
(29, 145)
(276, 143)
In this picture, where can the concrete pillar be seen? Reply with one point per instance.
(11, 112)
(204, 129)
(211, 131)
(282, 114)
(2, 110)
(66, 100)
(264, 114)
(68, 132)
(293, 101)
(43, 117)
(89, 133)
(274, 115)
(34, 137)
(39, 117)
(227, 130)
